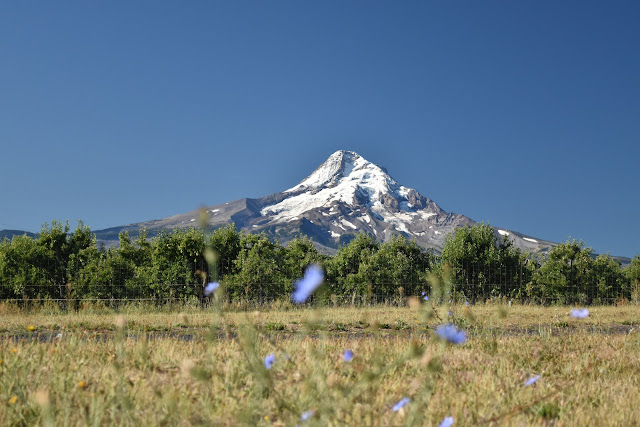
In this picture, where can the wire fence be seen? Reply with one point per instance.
(266, 286)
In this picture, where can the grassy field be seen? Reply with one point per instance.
(203, 367)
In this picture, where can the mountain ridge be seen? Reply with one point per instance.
(343, 196)
(9, 234)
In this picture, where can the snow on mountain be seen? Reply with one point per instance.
(347, 177)
(344, 196)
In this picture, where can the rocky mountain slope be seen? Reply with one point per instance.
(344, 196)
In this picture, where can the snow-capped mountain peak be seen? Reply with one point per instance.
(344, 196)
(349, 179)
(340, 165)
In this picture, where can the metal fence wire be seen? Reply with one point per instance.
(73, 286)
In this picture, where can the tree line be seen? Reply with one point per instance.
(60, 264)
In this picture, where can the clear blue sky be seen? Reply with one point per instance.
(522, 114)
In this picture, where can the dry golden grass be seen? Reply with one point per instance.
(589, 376)
(480, 317)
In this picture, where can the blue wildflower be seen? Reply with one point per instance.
(447, 422)
(212, 286)
(425, 296)
(580, 313)
(451, 334)
(268, 361)
(532, 380)
(304, 287)
(402, 403)
(306, 415)
(466, 303)
(347, 355)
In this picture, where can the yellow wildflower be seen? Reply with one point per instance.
(15, 350)
(13, 400)
(31, 328)
(82, 384)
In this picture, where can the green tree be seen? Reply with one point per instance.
(397, 266)
(102, 277)
(482, 266)
(346, 271)
(609, 280)
(571, 275)
(178, 261)
(633, 276)
(21, 275)
(225, 241)
(53, 255)
(136, 260)
(259, 269)
(298, 255)
(57, 253)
